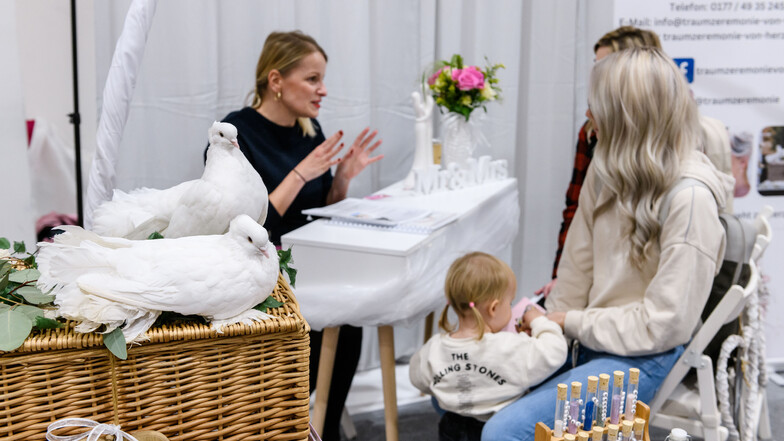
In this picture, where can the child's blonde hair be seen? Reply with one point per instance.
(471, 279)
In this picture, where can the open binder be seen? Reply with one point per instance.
(362, 213)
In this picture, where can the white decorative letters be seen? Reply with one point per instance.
(453, 177)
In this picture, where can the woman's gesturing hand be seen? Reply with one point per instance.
(358, 156)
(320, 159)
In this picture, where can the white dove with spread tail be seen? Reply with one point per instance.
(126, 284)
(229, 186)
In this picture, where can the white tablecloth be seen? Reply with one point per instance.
(366, 277)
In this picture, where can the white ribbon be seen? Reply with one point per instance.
(97, 429)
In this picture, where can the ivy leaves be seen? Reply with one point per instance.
(284, 257)
(269, 302)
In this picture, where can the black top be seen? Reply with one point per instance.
(274, 151)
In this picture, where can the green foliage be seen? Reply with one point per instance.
(22, 304)
(285, 259)
(269, 302)
(45, 323)
(155, 235)
(34, 295)
(14, 328)
(24, 276)
(169, 317)
(31, 311)
(115, 342)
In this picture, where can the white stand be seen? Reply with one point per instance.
(423, 137)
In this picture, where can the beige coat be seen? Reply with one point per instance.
(613, 306)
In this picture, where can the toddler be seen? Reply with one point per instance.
(475, 370)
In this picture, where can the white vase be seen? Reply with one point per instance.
(458, 143)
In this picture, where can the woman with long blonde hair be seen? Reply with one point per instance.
(624, 37)
(633, 280)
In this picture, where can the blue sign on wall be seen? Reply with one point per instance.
(686, 65)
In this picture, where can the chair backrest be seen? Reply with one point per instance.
(764, 232)
(728, 309)
(740, 240)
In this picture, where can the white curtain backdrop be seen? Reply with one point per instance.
(16, 209)
(200, 61)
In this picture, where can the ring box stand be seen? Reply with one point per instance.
(545, 433)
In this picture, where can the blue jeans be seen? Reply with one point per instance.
(517, 420)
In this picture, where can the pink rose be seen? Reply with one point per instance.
(432, 79)
(468, 78)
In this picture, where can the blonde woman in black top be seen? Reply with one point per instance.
(283, 141)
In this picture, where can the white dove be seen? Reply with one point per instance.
(124, 283)
(228, 187)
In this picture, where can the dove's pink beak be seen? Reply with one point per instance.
(234, 142)
(264, 252)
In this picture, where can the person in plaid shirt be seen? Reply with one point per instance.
(582, 159)
(619, 39)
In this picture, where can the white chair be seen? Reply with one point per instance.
(753, 396)
(693, 407)
(695, 410)
(764, 232)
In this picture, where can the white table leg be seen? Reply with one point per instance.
(386, 343)
(329, 345)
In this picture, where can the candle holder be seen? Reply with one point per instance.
(543, 432)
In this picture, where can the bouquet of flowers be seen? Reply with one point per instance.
(461, 89)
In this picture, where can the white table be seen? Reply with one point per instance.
(372, 277)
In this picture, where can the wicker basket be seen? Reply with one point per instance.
(189, 383)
